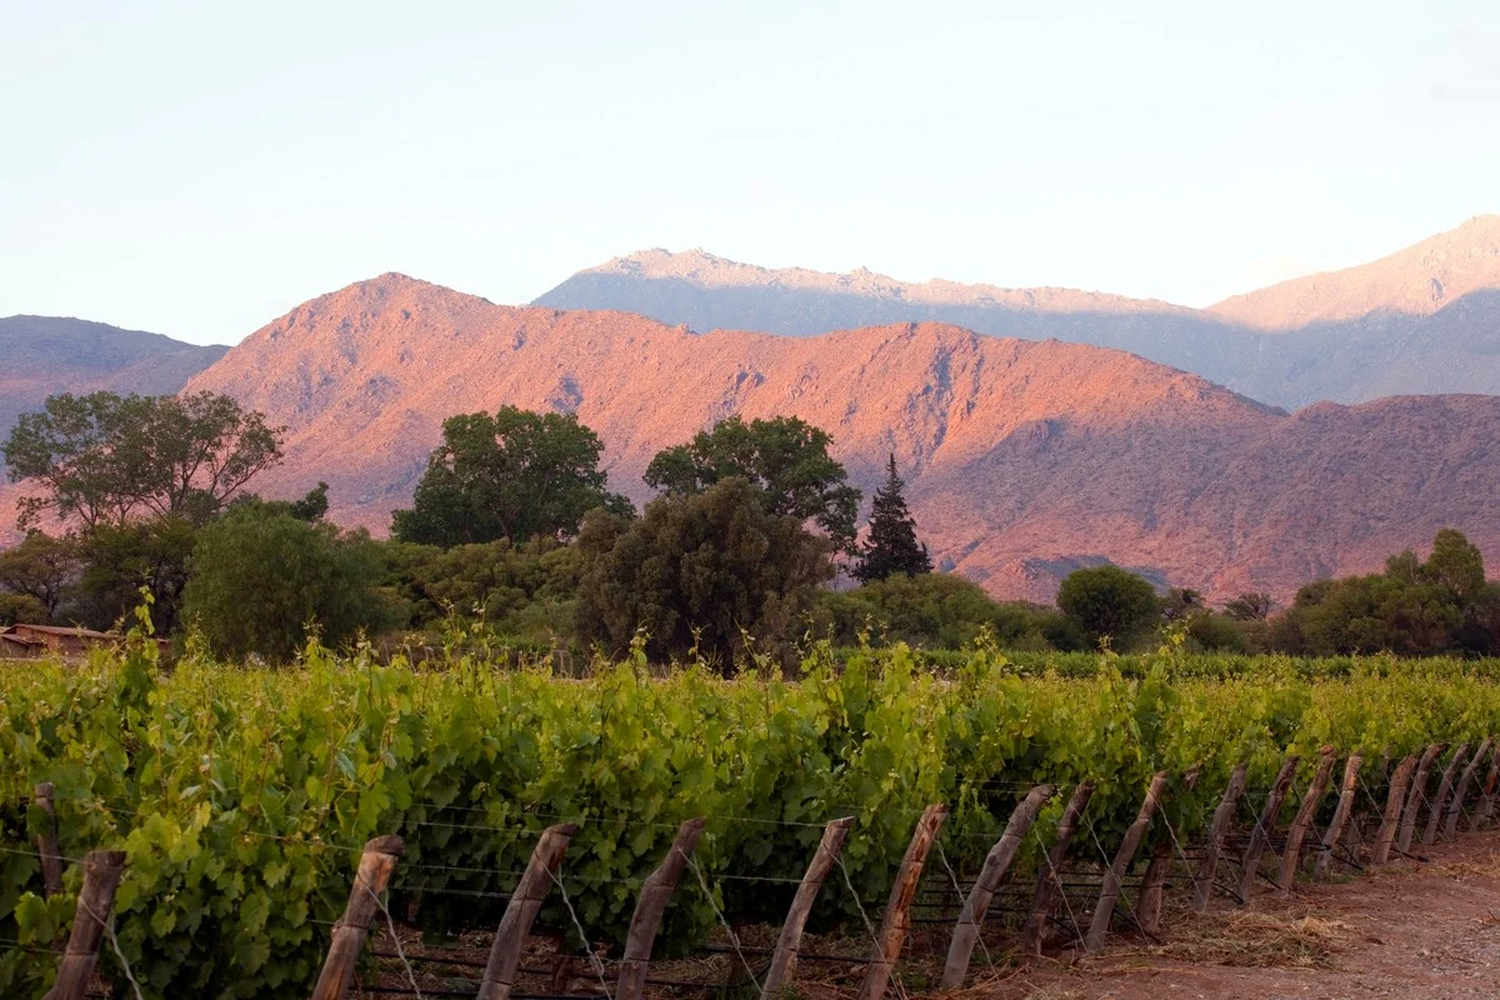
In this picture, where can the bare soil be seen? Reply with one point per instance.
(1425, 931)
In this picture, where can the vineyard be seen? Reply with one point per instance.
(244, 798)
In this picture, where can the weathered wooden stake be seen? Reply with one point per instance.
(898, 909)
(1048, 881)
(1261, 835)
(1415, 796)
(46, 841)
(1486, 810)
(1218, 832)
(1104, 909)
(376, 865)
(1445, 786)
(1391, 818)
(996, 863)
(646, 920)
(101, 877)
(1456, 806)
(784, 959)
(1311, 802)
(1153, 884)
(521, 911)
(1335, 831)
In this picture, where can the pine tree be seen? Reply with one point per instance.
(892, 546)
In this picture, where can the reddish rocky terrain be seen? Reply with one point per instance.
(1026, 459)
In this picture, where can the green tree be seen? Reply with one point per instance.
(1251, 606)
(313, 506)
(521, 590)
(260, 576)
(938, 611)
(514, 475)
(712, 570)
(892, 546)
(1456, 563)
(785, 457)
(1108, 602)
(43, 568)
(119, 560)
(22, 608)
(104, 459)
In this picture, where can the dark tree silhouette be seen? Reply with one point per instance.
(892, 546)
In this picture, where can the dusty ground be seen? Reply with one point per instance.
(1421, 931)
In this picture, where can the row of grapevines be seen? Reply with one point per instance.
(242, 796)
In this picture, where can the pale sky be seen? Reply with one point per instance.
(197, 169)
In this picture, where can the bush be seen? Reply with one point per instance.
(1107, 602)
(261, 576)
(938, 611)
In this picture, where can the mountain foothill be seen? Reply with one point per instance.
(1303, 431)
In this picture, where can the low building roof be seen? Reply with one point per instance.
(63, 630)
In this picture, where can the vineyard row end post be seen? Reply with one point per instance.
(521, 910)
(376, 865)
(897, 920)
(650, 907)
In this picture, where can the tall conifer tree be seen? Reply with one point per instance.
(892, 546)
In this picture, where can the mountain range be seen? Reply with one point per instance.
(45, 355)
(1025, 459)
(1423, 320)
(1026, 456)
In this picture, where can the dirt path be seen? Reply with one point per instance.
(1422, 931)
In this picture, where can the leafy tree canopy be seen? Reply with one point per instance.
(938, 611)
(105, 459)
(785, 457)
(711, 570)
(1108, 602)
(42, 568)
(514, 475)
(261, 576)
(892, 546)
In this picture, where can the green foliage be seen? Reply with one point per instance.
(892, 546)
(241, 797)
(699, 571)
(1252, 606)
(104, 459)
(1413, 608)
(520, 590)
(118, 561)
(1108, 602)
(22, 608)
(41, 567)
(938, 610)
(515, 475)
(787, 458)
(261, 577)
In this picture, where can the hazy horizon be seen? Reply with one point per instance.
(197, 172)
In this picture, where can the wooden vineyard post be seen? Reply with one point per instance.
(784, 959)
(1391, 818)
(1335, 830)
(1218, 832)
(1414, 798)
(1445, 786)
(101, 877)
(1261, 835)
(897, 921)
(996, 863)
(1154, 882)
(376, 865)
(1303, 821)
(646, 920)
(1486, 810)
(1048, 881)
(1455, 807)
(521, 911)
(46, 840)
(1104, 909)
